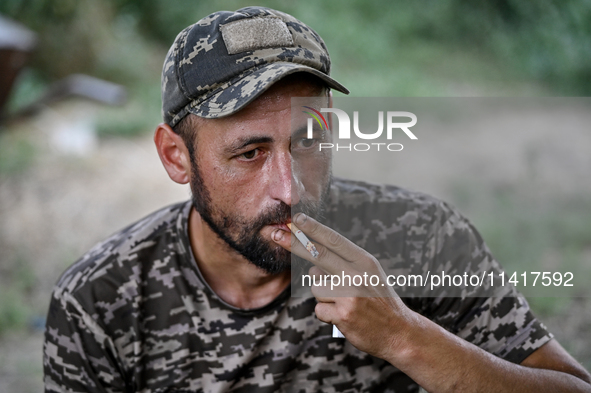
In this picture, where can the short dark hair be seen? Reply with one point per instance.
(187, 130)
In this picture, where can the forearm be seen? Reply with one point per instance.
(442, 362)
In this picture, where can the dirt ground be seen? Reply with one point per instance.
(67, 200)
(56, 210)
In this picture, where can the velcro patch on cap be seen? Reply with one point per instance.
(255, 33)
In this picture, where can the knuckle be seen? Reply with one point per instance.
(314, 289)
(334, 239)
(346, 315)
(315, 271)
(312, 229)
(294, 241)
(322, 252)
(302, 219)
(370, 263)
(319, 310)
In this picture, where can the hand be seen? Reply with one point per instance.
(372, 317)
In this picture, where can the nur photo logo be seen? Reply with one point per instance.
(393, 124)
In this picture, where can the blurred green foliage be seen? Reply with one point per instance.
(16, 153)
(544, 40)
(378, 47)
(525, 230)
(15, 311)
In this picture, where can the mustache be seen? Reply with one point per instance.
(283, 212)
(309, 208)
(279, 214)
(314, 209)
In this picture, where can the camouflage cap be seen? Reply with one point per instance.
(218, 65)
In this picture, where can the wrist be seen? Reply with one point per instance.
(406, 341)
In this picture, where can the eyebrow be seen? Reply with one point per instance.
(304, 131)
(300, 131)
(241, 143)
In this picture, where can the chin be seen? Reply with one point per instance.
(275, 260)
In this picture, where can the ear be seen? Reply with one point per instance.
(173, 154)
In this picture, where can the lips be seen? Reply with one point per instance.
(283, 225)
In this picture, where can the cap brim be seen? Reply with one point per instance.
(230, 99)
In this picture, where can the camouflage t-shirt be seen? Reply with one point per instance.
(135, 315)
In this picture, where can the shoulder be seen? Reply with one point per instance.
(386, 206)
(118, 258)
(407, 231)
(99, 302)
(354, 192)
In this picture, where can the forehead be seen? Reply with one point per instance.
(278, 97)
(273, 106)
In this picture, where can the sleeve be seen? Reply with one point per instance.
(77, 355)
(498, 320)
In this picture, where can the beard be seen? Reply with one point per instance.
(244, 235)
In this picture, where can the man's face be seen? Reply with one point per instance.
(252, 169)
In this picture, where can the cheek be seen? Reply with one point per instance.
(229, 185)
(231, 188)
(312, 173)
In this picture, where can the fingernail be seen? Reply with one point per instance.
(300, 218)
(278, 235)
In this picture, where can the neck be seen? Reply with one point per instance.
(232, 277)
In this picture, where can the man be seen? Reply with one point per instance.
(196, 296)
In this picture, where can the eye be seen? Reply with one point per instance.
(305, 143)
(249, 155)
(308, 142)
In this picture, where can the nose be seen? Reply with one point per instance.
(286, 186)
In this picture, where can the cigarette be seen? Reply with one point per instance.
(304, 240)
(336, 333)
